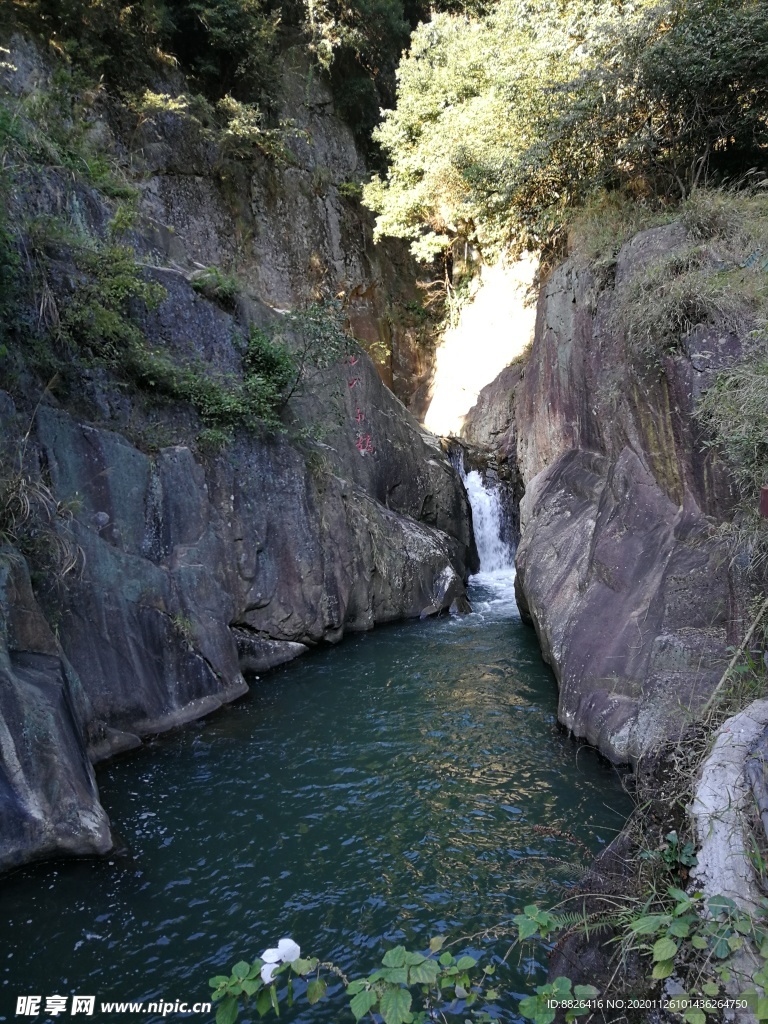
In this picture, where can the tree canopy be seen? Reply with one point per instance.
(506, 122)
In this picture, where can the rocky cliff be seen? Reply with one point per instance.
(195, 564)
(619, 567)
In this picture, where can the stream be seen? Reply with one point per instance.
(410, 782)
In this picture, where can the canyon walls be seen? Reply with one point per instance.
(620, 568)
(150, 562)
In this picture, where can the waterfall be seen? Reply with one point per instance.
(496, 555)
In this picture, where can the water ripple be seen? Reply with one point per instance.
(379, 792)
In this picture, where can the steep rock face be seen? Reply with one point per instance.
(618, 567)
(195, 569)
(195, 565)
(48, 797)
(291, 228)
(585, 387)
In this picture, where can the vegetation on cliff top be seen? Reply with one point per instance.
(506, 124)
(229, 50)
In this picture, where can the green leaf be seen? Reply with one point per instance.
(735, 942)
(395, 957)
(436, 943)
(694, 1015)
(698, 942)
(273, 999)
(395, 975)
(363, 1002)
(762, 1008)
(464, 963)
(663, 969)
(301, 967)
(251, 985)
(218, 981)
(263, 1002)
(446, 959)
(525, 926)
(680, 929)
(650, 924)
(395, 1006)
(424, 973)
(316, 990)
(241, 969)
(720, 905)
(227, 1011)
(355, 986)
(535, 1008)
(413, 958)
(709, 988)
(664, 949)
(491, 995)
(560, 987)
(586, 991)
(678, 895)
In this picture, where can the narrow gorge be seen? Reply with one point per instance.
(295, 639)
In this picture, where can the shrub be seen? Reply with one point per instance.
(217, 285)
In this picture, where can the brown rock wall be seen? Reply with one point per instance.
(619, 566)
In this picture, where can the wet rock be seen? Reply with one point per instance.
(351, 517)
(258, 654)
(295, 545)
(48, 798)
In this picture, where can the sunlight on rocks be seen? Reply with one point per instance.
(492, 330)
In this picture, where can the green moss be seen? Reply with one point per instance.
(217, 285)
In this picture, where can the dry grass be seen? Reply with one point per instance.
(598, 230)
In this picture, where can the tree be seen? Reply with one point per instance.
(506, 123)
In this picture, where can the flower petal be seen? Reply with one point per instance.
(289, 950)
(271, 956)
(268, 970)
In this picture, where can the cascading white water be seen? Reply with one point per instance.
(495, 553)
(492, 590)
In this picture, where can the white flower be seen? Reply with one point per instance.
(268, 970)
(289, 951)
(285, 952)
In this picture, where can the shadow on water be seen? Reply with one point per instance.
(409, 782)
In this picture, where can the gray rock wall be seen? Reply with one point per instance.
(619, 566)
(291, 229)
(194, 569)
(195, 565)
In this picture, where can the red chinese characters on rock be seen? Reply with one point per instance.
(363, 441)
